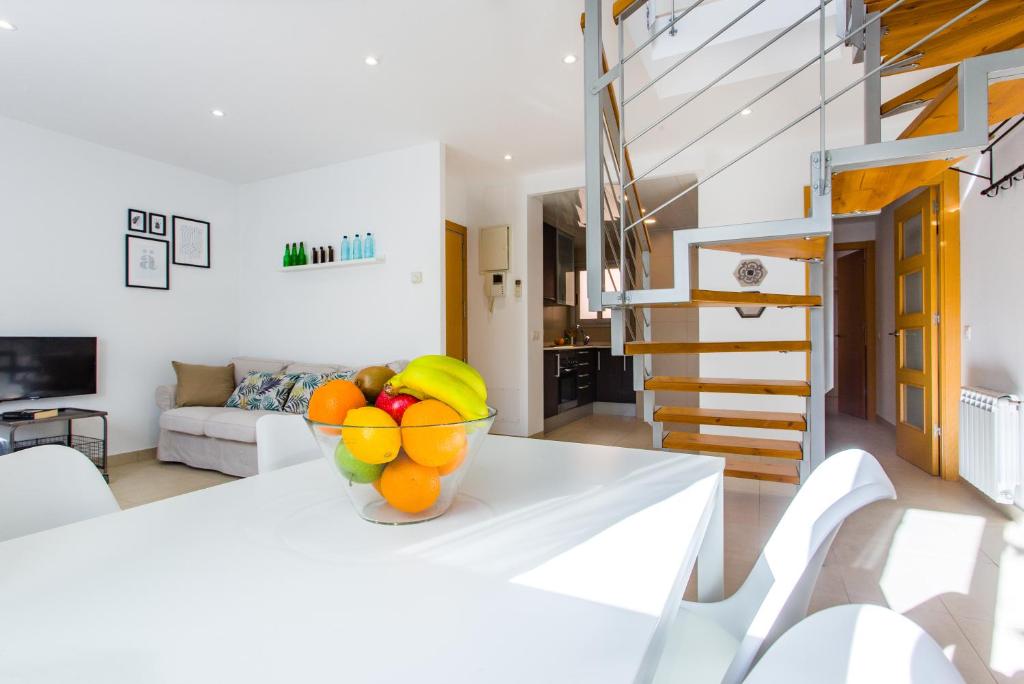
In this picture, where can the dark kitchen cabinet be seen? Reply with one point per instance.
(550, 262)
(615, 378)
(550, 384)
(586, 376)
(559, 266)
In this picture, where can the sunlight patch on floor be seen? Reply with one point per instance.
(932, 553)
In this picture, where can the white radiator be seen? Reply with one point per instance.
(990, 441)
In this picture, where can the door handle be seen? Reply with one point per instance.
(896, 333)
(558, 365)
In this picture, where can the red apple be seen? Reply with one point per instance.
(395, 404)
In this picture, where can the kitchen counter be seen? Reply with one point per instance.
(567, 347)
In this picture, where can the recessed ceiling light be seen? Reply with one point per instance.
(371, 60)
(7, 26)
(217, 112)
(747, 112)
(508, 157)
(569, 59)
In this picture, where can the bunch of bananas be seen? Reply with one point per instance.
(446, 379)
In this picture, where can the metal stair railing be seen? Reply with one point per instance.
(609, 114)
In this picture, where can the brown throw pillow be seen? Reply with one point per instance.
(204, 385)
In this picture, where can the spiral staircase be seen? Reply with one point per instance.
(980, 40)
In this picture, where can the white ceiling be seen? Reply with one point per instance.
(485, 77)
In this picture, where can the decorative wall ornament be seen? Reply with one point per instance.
(750, 273)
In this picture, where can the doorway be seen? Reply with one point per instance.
(455, 277)
(926, 270)
(855, 373)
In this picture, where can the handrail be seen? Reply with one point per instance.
(623, 8)
(767, 91)
(657, 34)
(824, 102)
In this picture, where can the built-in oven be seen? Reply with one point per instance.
(568, 392)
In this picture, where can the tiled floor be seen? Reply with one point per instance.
(939, 554)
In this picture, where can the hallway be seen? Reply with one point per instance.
(940, 553)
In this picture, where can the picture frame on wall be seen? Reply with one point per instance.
(147, 263)
(157, 224)
(191, 239)
(136, 221)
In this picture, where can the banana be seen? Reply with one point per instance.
(459, 369)
(442, 386)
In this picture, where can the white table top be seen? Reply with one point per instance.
(559, 562)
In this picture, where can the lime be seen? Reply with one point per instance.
(355, 470)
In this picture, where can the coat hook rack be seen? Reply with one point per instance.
(1007, 181)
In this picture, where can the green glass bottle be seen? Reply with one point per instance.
(287, 261)
(303, 259)
(295, 254)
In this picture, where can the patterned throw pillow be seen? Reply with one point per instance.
(298, 400)
(263, 391)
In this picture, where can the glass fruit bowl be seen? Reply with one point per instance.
(418, 484)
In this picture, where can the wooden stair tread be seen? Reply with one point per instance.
(728, 444)
(785, 248)
(777, 420)
(705, 298)
(634, 348)
(788, 473)
(677, 383)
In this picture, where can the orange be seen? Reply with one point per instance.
(409, 486)
(332, 401)
(452, 465)
(433, 446)
(371, 435)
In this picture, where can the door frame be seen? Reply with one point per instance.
(871, 387)
(464, 232)
(946, 212)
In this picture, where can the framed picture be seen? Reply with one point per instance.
(191, 242)
(136, 221)
(146, 263)
(157, 224)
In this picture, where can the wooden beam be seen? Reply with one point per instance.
(672, 383)
(635, 348)
(727, 444)
(772, 420)
(785, 248)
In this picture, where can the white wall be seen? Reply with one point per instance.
(992, 242)
(63, 220)
(357, 315)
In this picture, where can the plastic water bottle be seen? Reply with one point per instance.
(357, 247)
(368, 246)
(346, 249)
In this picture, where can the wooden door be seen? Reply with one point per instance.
(851, 339)
(916, 332)
(455, 291)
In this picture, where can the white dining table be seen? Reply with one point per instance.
(558, 562)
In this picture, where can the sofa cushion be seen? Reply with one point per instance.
(246, 364)
(236, 425)
(302, 390)
(316, 368)
(188, 419)
(203, 385)
(261, 390)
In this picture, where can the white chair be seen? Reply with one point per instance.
(719, 642)
(48, 486)
(855, 645)
(283, 441)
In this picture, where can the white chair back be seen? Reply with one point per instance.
(855, 645)
(48, 486)
(283, 441)
(775, 595)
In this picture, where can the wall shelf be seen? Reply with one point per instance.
(333, 264)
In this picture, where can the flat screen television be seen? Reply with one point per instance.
(42, 367)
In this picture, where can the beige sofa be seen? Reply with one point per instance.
(218, 437)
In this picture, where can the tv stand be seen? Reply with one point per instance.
(94, 448)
